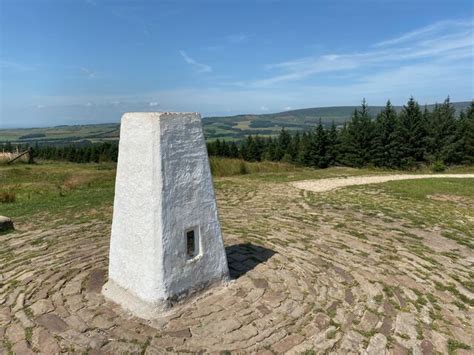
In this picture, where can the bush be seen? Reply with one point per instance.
(438, 166)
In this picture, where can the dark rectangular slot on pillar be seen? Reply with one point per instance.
(190, 245)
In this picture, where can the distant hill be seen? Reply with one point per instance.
(227, 127)
(302, 119)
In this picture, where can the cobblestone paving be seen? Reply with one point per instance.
(300, 282)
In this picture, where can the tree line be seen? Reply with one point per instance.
(392, 139)
(405, 139)
(93, 153)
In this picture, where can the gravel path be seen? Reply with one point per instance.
(322, 185)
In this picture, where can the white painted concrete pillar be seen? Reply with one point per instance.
(166, 240)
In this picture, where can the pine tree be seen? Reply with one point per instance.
(441, 133)
(384, 146)
(357, 138)
(365, 134)
(413, 133)
(292, 149)
(304, 150)
(346, 145)
(233, 150)
(284, 140)
(333, 145)
(464, 152)
(319, 148)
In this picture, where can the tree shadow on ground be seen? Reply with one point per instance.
(244, 257)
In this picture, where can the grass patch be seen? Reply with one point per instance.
(221, 167)
(60, 189)
(421, 189)
(454, 345)
(28, 334)
(452, 289)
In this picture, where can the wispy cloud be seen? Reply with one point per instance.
(200, 68)
(435, 28)
(88, 72)
(440, 42)
(238, 37)
(8, 64)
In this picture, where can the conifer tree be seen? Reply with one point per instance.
(365, 134)
(319, 148)
(233, 150)
(441, 132)
(357, 138)
(410, 136)
(284, 140)
(333, 145)
(304, 151)
(385, 152)
(346, 144)
(464, 140)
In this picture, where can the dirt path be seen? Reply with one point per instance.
(323, 185)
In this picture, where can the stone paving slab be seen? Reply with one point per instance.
(300, 283)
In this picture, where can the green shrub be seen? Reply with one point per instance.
(438, 166)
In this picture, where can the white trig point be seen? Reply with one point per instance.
(166, 239)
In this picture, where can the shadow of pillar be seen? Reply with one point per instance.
(244, 257)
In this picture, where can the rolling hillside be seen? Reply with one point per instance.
(302, 119)
(229, 127)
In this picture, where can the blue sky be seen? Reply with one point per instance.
(88, 61)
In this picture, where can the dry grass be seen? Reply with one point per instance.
(7, 196)
(5, 157)
(76, 180)
(230, 167)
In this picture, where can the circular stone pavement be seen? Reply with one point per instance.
(300, 282)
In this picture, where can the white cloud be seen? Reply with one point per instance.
(264, 108)
(200, 68)
(444, 41)
(153, 104)
(421, 32)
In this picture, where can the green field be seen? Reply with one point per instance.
(93, 133)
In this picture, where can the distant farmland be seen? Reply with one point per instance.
(228, 128)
